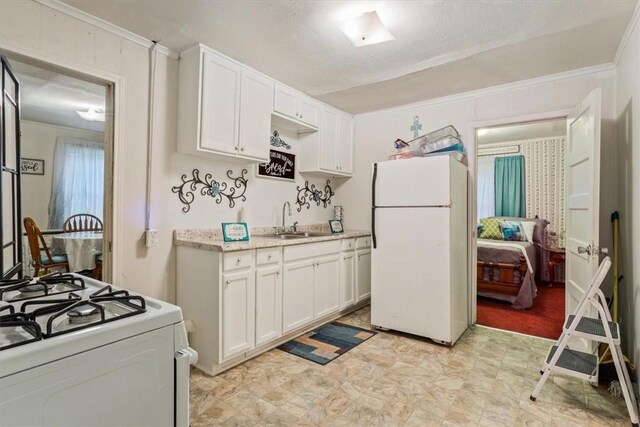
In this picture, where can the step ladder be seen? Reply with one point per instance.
(578, 364)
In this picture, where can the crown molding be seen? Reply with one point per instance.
(627, 34)
(105, 25)
(610, 66)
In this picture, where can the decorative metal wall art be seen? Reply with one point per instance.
(276, 141)
(308, 194)
(416, 127)
(212, 188)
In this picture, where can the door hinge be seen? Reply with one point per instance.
(110, 246)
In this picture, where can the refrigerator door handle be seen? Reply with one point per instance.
(373, 206)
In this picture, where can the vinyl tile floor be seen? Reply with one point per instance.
(400, 380)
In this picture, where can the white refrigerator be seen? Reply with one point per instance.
(419, 281)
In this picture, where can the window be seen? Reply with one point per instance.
(78, 180)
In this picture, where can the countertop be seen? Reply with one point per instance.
(211, 239)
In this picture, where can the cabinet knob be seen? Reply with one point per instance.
(238, 261)
(270, 256)
(278, 273)
(227, 282)
(235, 148)
(300, 115)
(345, 258)
(242, 148)
(297, 115)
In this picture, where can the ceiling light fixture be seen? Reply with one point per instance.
(366, 29)
(92, 115)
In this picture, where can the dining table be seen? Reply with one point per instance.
(81, 248)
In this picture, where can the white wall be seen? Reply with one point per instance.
(628, 136)
(38, 141)
(375, 132)
(35, 30)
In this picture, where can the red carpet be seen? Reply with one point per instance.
(543, 319)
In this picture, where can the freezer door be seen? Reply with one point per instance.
(423, 181)
(410, 272)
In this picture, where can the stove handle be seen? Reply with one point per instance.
(183, 360)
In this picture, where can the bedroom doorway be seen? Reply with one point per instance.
(520, 216)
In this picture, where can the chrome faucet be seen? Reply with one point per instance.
(283, 211)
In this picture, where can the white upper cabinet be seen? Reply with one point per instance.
(329, 152)
(296, 106)
(256, 99)
(224, 108)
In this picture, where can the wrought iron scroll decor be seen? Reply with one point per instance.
(276, 141)
(309, 194)
(212, 188)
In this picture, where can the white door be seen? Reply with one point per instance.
(421, 181)
(220, 104)
(345, 144)
(297, 294)
(268, 303)
(328, 140)
(583, 198)
(363, 274)
(256, 105)
(308, 111)
(238, 313)
(286, 102)
(327, 285)
(347, 280)
(410, 273)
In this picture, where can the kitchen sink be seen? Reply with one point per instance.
(296, 235)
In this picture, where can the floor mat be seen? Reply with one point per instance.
(544, 319)
(327, 342)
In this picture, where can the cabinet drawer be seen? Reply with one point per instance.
(348, 244)
(237, 260)
(268, 256)
(363, 242)
(311, 250)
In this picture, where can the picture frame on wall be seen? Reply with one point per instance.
(281, 166)
(336, 226)
(31, 166)
(235, 232)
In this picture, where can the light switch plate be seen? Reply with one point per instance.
(151, 238)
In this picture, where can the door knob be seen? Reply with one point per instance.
(584, 250)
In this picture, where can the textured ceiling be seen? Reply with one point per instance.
(49, 97)
(441, 47)
(523, 131)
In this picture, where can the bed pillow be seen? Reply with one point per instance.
(490, 229)
(538, 230)
(528, 227)
(512, 230)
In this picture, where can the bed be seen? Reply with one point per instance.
(507, 270)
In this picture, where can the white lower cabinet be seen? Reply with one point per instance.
(297, 294)
(238, 313)
(327, 285)
(268, 303)
(363, 274)
(347, 279)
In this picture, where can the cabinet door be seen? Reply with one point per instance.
(256, 105)
(345, 144)
(238, 313)
(268, 303)
(363, 274)
(220, 104)
(328, 140)
(297, 294)
(308, 111)
(347, 279)
(327, 285)
(286, 102)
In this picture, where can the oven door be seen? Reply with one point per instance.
(126, 383)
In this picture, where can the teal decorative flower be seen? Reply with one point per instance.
(214, 190)
(317, 194)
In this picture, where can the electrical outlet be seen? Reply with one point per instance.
(151, 238)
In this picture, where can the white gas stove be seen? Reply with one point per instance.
(76, 351)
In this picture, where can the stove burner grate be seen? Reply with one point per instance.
(45, 285)
(20, 320)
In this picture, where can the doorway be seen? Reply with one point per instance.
(66, 146)
(520, 227)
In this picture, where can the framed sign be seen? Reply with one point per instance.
(235, 232)
(281, 165)
(336, 226)
(31, 166)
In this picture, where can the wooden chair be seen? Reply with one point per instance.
(40, 253)
(82, 222)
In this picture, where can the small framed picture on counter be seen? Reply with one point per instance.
(336, 226)
(235, 232)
